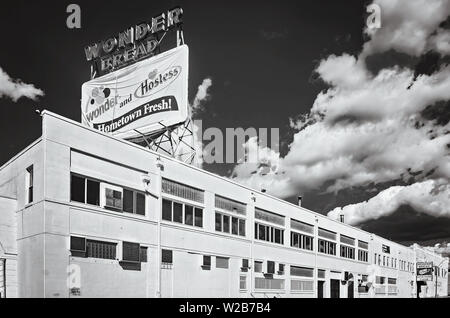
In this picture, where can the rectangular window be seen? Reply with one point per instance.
(269, 233)
(242, 282)
(235, 226)
(78, 189)
(222, 262)
(182, 191)
(188, 215)
(258, 267)
(327, 234)
(392, 281)
(244, 263)
(167, 257)
(380, 280)
(327, 247)
(265, 283)
(99, 249)
(347, 240)
(113, 199)
(182, 213)
(302, 271)
(230, 205)
(78, 246)
(302, 285)
(198, 217)
(131, 252)
(30, 182)
(241, 227)
(301, 241)
(167, 210)
(270, 267)
(177, 212)
(207, 261)
(303, 227)
(143, 254)
(280, 269)
(140, 203)
(269, 217)
(363, 245)
(321, 273)
(133, 202)
(218, 222)
(363, 256)
(347, 252)
(128, 201)
(226, 224)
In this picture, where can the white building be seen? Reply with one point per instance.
(84, 214)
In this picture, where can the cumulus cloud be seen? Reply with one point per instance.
(431, 197)
(201, 96)
(16, 89)
(407, 26)
(368, 128)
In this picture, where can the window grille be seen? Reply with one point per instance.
(302, 285)
(98, 249)
(269, 217)
(182, 191)
(327, 234)
(300, 226)
(230, 205)
(266, 283)
(347, 240)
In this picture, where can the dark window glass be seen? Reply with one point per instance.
(93, 192)
(167, 256)
(140, 203)
(278, 238)
(167, 210)
(226, 224)
(188, 215)
(77, 189)
(245, 263)
(258, 267)
(261, 232)
(206, 260)
(235, 226)
(218, 222)
(198, 217)
(30, 183)
(241, 227)
(128, 201)
(177, 212)
(143, 254)
(98, 249)
(77, 244)
(130, 252)
(270, 267)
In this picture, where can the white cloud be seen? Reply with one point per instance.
(431, 197)
(16, 89)
(202, 95)
(367, 128)
(406, 25)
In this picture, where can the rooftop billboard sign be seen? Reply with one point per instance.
(424, 271)
(141, 98)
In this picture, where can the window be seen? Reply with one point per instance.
(269, 217)
(206, 262)
(301, 241)
(258, 267)
(269, 233)
(113, 199)
(133, 202)
(182, 213)
(380, 280)
(143, 256)
(321, 273)
(363, 256)
(167, 257)
(182, 191)
(245, 264)
(347, 240)
(280, 269)
(327, 247)
(223, 224)
(363, 245)
(327, 234)
(265, 283)
(303, 227)
(347, 252)
(270, 267)
(392, 281)
(302, 285)
(131, 252)
(78, 189)
(230, 205)
(222, 262)
(99, 249)
(242, 282)
(302, 271)
(30, 182)
(78, 246)
(93, 192)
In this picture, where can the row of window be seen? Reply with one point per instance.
(182, 213)
(269, 233)
(87, 191)
(229, 224)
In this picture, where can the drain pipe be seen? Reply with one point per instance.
(4, 276)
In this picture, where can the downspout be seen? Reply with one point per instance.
(4, 276)
(159, 168)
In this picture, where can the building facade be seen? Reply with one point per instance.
(84, 214)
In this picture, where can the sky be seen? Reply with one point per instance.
(363, 113)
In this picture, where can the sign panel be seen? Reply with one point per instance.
(425, 271)
(141, 98)
(386, 249)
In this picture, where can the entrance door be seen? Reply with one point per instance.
(320, 285)
(334, 288)
(350, 290)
